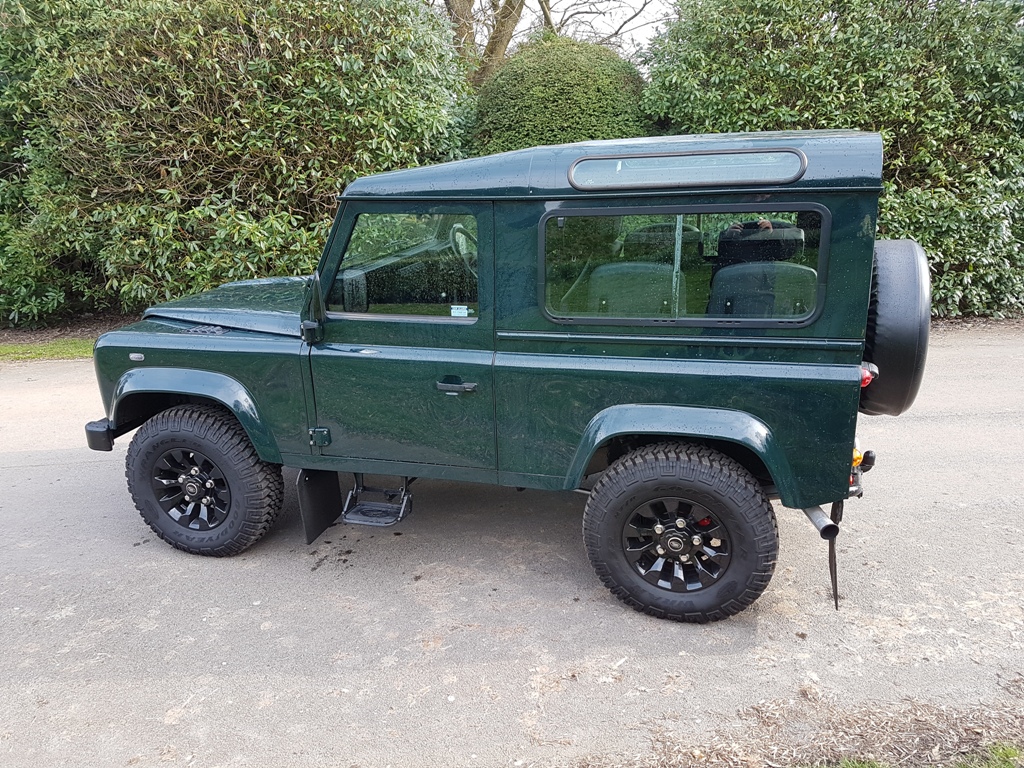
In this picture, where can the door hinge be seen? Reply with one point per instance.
(320, 437)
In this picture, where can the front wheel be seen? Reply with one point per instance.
(197, 481)
(681, 532)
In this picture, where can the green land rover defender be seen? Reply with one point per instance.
(683, 328)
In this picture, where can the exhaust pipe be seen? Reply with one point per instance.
(821, 521)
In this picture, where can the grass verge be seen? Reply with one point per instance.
(996, 756)
(58, 349)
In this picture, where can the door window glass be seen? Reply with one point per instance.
(413, 264)
(760, 265)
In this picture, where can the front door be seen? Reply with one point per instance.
(404, 371)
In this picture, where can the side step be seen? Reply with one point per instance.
(377, 513)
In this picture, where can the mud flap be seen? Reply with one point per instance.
(319, 501)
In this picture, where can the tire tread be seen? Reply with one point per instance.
(690, 462)
(262, 484)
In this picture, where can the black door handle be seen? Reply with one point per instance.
(444, 386)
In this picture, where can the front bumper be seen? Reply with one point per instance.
(99, 435)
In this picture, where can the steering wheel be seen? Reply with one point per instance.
(463, 243)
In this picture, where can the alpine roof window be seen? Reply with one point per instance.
(733, 168)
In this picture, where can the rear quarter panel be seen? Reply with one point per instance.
(802, 383)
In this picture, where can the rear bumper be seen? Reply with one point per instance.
(99, 435)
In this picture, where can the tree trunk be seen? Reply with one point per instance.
(461, 14)
(505, 25)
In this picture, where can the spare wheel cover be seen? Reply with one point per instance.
(897, 331)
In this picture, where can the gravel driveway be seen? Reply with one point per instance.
(476, 634)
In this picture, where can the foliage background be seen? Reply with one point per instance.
(153, 148)
(556, 90)
(942, 80)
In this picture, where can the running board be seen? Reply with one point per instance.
(320, 504)
(377, 513)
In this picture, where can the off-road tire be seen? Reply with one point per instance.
(254, 488)
(700, 477)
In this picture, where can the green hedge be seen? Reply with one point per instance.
(164, 147)
(942, 80)
(556, 90)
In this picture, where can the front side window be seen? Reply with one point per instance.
(411, 264)
(728, 265)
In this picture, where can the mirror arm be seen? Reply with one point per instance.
(313, 313)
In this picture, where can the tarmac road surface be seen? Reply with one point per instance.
(476, 634)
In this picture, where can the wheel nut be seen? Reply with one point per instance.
(207, 501)
(209, 483)
(685, 558)
(195, 471)
(660, 549)
(659, 529)
(697, 541)
(680, 523)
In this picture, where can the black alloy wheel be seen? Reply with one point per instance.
(676, 544)
(198, 482)
(681, 532)
(191, 489)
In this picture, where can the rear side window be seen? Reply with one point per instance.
(760, 265)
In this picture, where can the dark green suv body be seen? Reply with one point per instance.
(682, 327)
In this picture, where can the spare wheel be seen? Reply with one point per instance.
(897, 332)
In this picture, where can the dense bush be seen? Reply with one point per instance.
(557, 90)
(173, 145)
(942, 80)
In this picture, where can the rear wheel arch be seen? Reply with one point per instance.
(616, 447)
(619, 430)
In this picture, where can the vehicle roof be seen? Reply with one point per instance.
(835, 159)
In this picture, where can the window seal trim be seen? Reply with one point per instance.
(697, 184)
(688, 322)
(397, 318)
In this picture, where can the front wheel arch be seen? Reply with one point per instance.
(142, 393)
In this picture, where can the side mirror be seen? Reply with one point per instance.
(310, 331)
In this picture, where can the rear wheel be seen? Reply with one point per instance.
(681, 532)
(197, 481)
